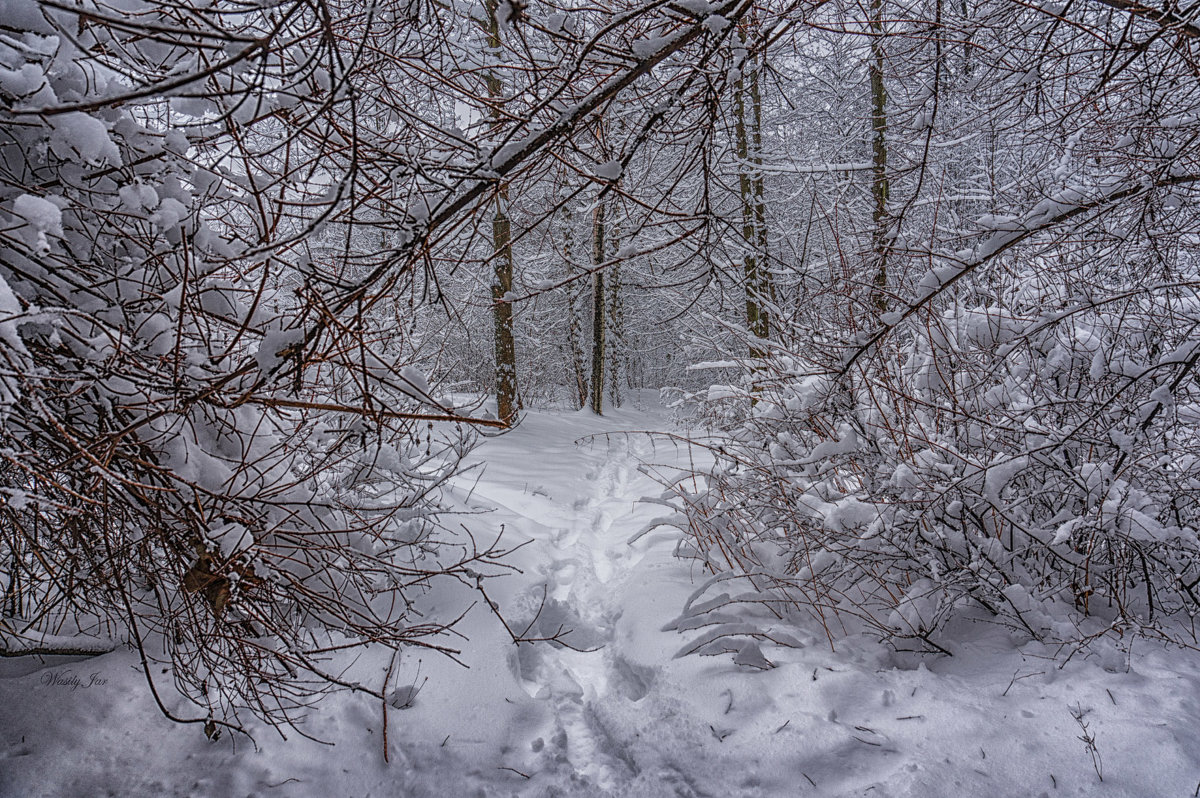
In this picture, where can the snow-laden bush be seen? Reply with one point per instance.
(1053, 488)
(200, 455)
(1036, 463)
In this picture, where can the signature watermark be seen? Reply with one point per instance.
(73, 680)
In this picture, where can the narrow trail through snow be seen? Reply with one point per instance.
(579, 505)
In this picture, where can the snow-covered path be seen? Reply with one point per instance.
(613, 712)
(571, 484)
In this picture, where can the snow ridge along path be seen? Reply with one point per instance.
(613, 712)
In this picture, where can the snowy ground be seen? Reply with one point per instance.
(620, 716)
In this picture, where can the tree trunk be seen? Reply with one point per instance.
(598, 314)
(880, 189)
(507, 398)
(616, 348)
(506, 353)
(748, 131)
(574, 296)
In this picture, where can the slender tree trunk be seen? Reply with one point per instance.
(880, 188)
(748, 132)
(967, 34)
(506, 353)
(507, 397)
(575, 298)
(766, 285)
(616, 346)
(598, 314)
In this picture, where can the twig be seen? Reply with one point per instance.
(387, 679)
(1089, 740)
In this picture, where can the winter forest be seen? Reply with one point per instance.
(633, 397)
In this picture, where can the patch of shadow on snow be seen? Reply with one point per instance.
(631, 680)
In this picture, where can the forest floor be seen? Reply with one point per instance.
(616, 713)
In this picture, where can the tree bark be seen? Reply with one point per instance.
(880, 188)
(575, 334)
(748, 132)
(616, 350)
(506, 351)
(598, 314)
(507, 397)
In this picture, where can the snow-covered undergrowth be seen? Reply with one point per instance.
(1032, 465)
(187, 462)
(612, 710)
